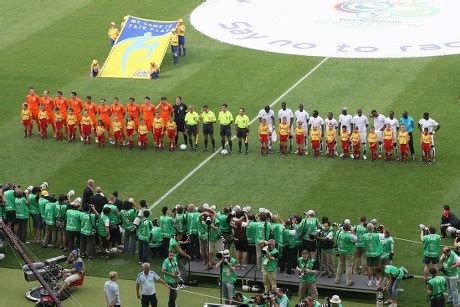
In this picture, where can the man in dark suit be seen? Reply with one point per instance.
(98, 200)
(117, 202)
(88, 191)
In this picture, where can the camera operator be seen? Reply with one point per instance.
(175, 246)
(172, 277)
(448, 219)
(76, 272)
(269, 265)
(450, 263)
(373, 246)
(212, 238)
(227, 266)
(241, 300)
(10, 207)
(431, 248)
(251, 238)
(308, 270)
(88, 230)
(73, 224)
(359, 257)
(393, 275)
(60, 209)
(22, 214)
(281, 299)
(436, 286)
(193, 223)
(346, 240)
(262, 234)
(326, 243)
(156, 239)
(290, 250)
(388, 248)
(222, 220)
(307, 227)
(308, 302)
(258, 301)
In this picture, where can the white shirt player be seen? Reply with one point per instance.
(286, 113)
(302, 116)
(429, 123)
(361, 122)
(379, 122)
(267, 116)
(394, 124)
(332, 121)
(316, 121)
(346, 120)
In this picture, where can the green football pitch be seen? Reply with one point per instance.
(49, 44)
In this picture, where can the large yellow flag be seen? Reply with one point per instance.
(140, 43)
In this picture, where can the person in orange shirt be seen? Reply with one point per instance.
(158, 129)
(117, 127)
(355, 138)
(345, 141)
(43, 121)
(134, 110)
(91, 108)
(331, 140)
(77, 105)
(403, 140)
(426, 141)
(100, 134)
(104, 112)
(130, 130)
(300, 138)
(165, 109)
(388, 136)
(48, 102)
(372, 139)
(71, 122)
(171, 128)
(86, 127)
(264, 131)
(315, 139)
(118, 110)
(283, 131)
(26, 120)
(148, 110)
(59, 122)
(33, 101)
(62, 104)
(143, 131)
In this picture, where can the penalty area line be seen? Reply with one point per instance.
(205, 161)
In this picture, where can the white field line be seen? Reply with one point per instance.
(205, 161)
(417, 242)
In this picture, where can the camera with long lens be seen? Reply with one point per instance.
(271, 295)
(453, 230)
(224, 254)
(423, 228)
(314, 235)
(264, 251)
(208, 221)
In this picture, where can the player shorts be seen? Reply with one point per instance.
(263, 138)
(181, 40)
(330, 145)
(374, 262)
(426, 147)
(59, 124)
(171, 134)
(208, 129)
(241, 246)
(362, 137)
(180, 125)
(86, 129)
(315, 144)
(143, 138)
(225, 130)
(26, 122)
(309, 245)
(284, 138)
(428, 260)
(118, 135)
(192, 129)
(403, 148)
(379, 135)
(175, 49)
(299, 138)
(157, 133)
(71, 128)
(241, 133)
(373, 146)
(43, 122)
(101, 138)
(345, 144)
(129, 132)
(388, 145)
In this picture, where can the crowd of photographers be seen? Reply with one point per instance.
(304, 247)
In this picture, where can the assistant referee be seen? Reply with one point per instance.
(191, 125)
(209, 118)
(242, 130)
(225, 119)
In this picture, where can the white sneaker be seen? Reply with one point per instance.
(341, 155)
(296, 152)
(364, 157)
(351, 156)
(369, 283)
(96, 140)
(81, 138)
(336, 154)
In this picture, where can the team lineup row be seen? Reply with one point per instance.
(69, 115)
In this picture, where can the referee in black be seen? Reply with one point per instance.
(180, 109)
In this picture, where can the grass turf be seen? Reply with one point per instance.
(49, 45)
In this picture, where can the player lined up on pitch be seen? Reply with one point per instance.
(387, 137)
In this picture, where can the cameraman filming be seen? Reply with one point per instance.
(269, 265)
(346, 240)
(308, 270)
(172, 277)
(281, 299)
(431, 248)
(450, 263)
(228, 275)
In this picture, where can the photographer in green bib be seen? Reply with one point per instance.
(308, 270)
(308, 227)
(450, 267)
(192, 226)
(60, 211)
(72, 224)
(262, 234)
(22, 214)
(269, 265)
(143, 236)
(88, 230)
(156, 239)
(345, 240)
(227, 265)
(436, 285)
(114, 221)
(373, 246)
(50, 225)
(103, 230)
(127, 215)
(326, 243)
(172, 277)
(431, 247)
(359, 257)
(167, 227)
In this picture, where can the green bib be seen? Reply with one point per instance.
(72, 220)
(113, 217)
(193, 222)
(227, 275)
(167, 226)
(438, 285)
(22, 209)
(33, 204)
(10, 204)
(127, 218)
(50, 213)
(87, 223)
(102, 231)
(156, 238)
(181, 225)
(448, 264)
(372, 244)
(431, 245)
(271, 265)
(42, 206)
(309, 278)
(143, 231)
(344, 244)
(360, 230)
(169, 265)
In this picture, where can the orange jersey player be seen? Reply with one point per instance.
(59, 122)
(62, 104)
(283, 131)
(388, 136)
(300, 138)
(158, 131)
(171, 128)
(100, 134)
(345, 141)
(426, 140)
(43, 122)
(71, 122)
(33, 101)
(148, 111)
(91, 108)
(143, 131)
(26, 120)
(105, 112)
(117, 128)
(49, 104)
(130, 130)
(315, 139)
(372, 139)
(331, 136)
(165, 109)
(403, 140)
(86, 127)
(77, 106)
(134, 110)
(355, 139)
(264, 132)
(118, 109)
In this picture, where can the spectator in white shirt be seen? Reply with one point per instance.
(112, 293)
